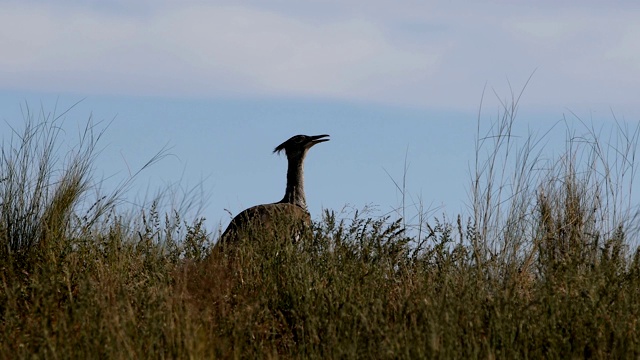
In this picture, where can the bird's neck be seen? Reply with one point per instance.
(294, 194)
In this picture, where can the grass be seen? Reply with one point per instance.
(546, 266)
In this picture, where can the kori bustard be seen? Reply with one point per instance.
(289, 216)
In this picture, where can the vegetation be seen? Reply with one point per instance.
(545, 266)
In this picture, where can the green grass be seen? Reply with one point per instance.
(545, 266)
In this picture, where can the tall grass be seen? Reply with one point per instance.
(545, 266)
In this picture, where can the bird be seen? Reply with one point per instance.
(287, 217)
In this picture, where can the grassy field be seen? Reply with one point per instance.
(546, 265)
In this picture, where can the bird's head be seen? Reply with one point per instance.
(299, 144)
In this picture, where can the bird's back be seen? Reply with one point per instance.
(267, 221)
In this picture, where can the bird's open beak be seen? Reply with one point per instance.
(318, 139)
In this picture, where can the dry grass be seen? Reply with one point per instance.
(543, 268)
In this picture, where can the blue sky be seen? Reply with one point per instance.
(222, 83)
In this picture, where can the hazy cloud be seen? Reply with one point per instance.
(417, 54)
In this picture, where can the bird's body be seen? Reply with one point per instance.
(267, 220)
(289, 216)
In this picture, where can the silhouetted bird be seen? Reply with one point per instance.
(289, 216)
